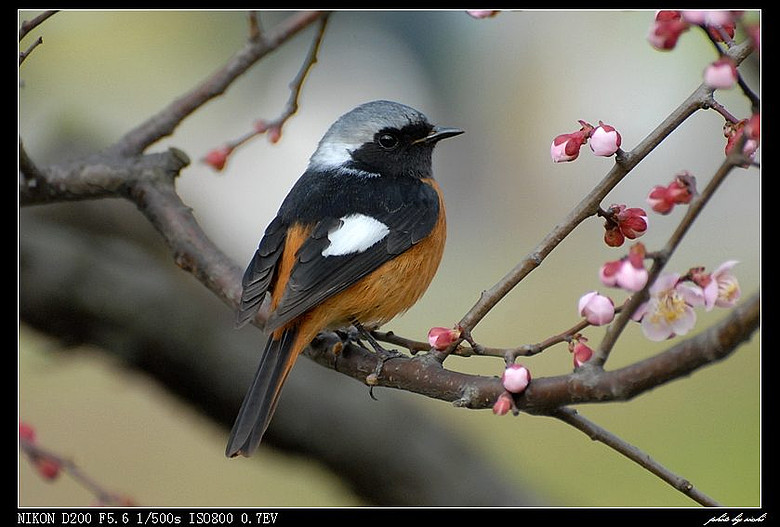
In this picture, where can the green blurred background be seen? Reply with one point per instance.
(512, 82)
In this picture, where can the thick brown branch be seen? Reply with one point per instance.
(425, 375)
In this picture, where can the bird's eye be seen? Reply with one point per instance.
(387, 141)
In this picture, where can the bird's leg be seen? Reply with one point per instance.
(383, 355)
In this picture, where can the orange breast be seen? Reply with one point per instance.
(391, 289)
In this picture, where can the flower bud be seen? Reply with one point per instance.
(680, 191)
(613, 237)
(632, 222)
(441, 338)
(503, 404)
(659, 200)
(734, 132)
(605, 140)
(666, 30)
(597, 309)
(516, 378)
(26, 432)
(721, 74)
(47, 467)
(218, 157)
(581, 353)
(627, 273)
(481, 13)
(566, 147)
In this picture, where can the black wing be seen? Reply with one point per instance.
(316, 277)
(260, 271)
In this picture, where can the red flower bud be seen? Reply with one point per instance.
(441, 338)
(218, 157)
(47, 467)
(666, 30)
(26, 432)
(503, 404)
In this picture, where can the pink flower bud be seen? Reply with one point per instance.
(682, 189)
(597, 309)
(441, 338)
(734, 131)
(218, 157)
(26, 432)
(581, 353)
(566, 147)
(516, 378)
(627, 273)
(721, 74)
(659, 200)
(48, 467)
(503, 404)
(274, 134)
(605, 140)
(261, 126)
(481, 13)
(666, 30)
(632, 222)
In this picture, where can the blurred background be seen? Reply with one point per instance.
(513, 82)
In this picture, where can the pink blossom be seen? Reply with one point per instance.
(721, 74)
(605, 140)
(516, 378)
(669, 311)
(728, 286)
(597, 309)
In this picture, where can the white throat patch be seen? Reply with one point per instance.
(356, 233)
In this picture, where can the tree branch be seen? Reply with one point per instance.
(166, 121)
(624, 163)
(425, 375)
(596, 433)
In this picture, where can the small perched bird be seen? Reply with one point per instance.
(356, 241)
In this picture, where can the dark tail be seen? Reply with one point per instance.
(260, 401)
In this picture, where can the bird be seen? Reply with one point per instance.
(356, 241)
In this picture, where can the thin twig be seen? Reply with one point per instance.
(597, 433)
(274, 128)
(28, 26)
(36, 454)
(165, 122)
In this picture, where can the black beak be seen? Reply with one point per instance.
(437, 134)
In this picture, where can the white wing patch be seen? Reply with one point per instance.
(356, 233)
